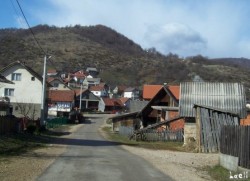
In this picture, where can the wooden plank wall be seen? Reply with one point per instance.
(235, 141)
(209, 128)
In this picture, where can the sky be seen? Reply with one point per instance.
(211, 28)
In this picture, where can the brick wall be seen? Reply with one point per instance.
(245, 121)
(178, 124)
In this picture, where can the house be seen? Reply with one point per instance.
(93, 81)
(92, 71)
(132, 93)
(99, 91)
(125, 102)
(149, 91)
(57, 84)
(163, 106)
(5, 107)
(60, 102)
(112, 105)
(89, 101)
(52, 72)
(118, 91)
(26, 92)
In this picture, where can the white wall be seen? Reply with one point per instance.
(26, 90)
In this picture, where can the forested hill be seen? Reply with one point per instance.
(119, 59)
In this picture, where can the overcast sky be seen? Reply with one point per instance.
(212, 28)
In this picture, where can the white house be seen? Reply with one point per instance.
(26, 92)
(57, 84)
(132, 93)
(5, 108)
(99, 91)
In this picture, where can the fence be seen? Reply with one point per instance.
(235, 141)
(53, 123)
(8, 125)
(126, 131)
(154, 135)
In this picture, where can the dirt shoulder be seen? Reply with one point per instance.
(29, 165)
(181, 166)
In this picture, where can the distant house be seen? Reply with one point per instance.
(93, 81)
(60, 102)
(89, 101)
(132, 93)
(92, 71)
(26, 90)
(52, 72)
(126, 103)
(99, 91)
(149, 91)
(57, 84)
(118, 91)
(112, 105)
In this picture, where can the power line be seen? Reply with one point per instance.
(17, 13)
(30, 27)
(32, 31)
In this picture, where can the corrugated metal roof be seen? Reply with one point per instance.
(226, 96)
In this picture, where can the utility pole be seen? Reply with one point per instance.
(43, 107)
(81, 82)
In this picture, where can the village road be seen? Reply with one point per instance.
(90, 157)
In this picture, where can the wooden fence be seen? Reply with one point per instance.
(235, 141)
(208, 126)
(8, 125)
(153, 134)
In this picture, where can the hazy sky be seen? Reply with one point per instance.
(213, 28)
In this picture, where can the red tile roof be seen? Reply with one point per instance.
(112, 102)
(175, 89)
(78, 91)
(124, 100)
(96, 88)
(61, 95)
(149, 91)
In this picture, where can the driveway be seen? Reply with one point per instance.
(90, 157)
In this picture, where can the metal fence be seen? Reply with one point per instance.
(53, 123)
(153, 135)
(126, 131)
(235, 141)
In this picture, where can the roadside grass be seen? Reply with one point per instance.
(19, 143)
(219, 173)
(157, 145)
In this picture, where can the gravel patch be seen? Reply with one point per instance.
(181, 166)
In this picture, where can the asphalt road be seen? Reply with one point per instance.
(90, 157)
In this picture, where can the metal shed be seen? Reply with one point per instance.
(224, 96)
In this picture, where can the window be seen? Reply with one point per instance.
(8, 92)
(33, 78)
(16, 77)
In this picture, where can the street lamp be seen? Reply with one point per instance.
(43, 115)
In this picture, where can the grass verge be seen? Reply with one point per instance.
(170, 145)
(16, 144)
(219, 173)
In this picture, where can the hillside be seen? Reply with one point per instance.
(120, 60)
